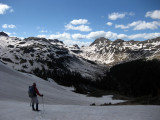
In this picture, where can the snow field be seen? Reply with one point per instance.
(14, 86)
(59, 102)
(21, 111)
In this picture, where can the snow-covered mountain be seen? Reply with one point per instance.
(32, 54)
(47, 56)
(109, 52)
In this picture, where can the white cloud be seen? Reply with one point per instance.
(135, 23)
(115, 16)
(122, 36)
(109, 23)
(121, 26)
(95, 35)
(140, 25)
(112, 35)
(43, 31)
(79, 43)
(83, 28)
(69, 39)
(153, 14)
(5, 26)
(4, 8)
(79, 21)
(78, 25)
(147, 25)
(144, 36)
(63, 36)
(78, 36)
(66, 38)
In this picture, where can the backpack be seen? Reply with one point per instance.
(31, 92)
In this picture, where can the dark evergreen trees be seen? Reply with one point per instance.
(136, 78)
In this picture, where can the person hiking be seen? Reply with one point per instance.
(34, 99)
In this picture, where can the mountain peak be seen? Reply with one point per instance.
(55, 41)
(3, 34)
(118, 41)
(76, 46)
(35, 38)
(100, 40)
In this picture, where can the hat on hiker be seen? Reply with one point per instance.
(34, 84)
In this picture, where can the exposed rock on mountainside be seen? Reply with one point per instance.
(109, 52)
(84, 67)
(40, 54)
(44, 57)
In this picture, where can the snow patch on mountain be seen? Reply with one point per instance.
(31, 53)
(105, 51)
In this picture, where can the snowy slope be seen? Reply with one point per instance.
(14, 86)
(59, 102)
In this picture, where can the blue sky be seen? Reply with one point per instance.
(81, 21)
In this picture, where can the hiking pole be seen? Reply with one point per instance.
(43, 108)
(30, 103)
(43, 103)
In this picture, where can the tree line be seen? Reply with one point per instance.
(136, 78)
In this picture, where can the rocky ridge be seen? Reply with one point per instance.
(39, 54)
(105, 51)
